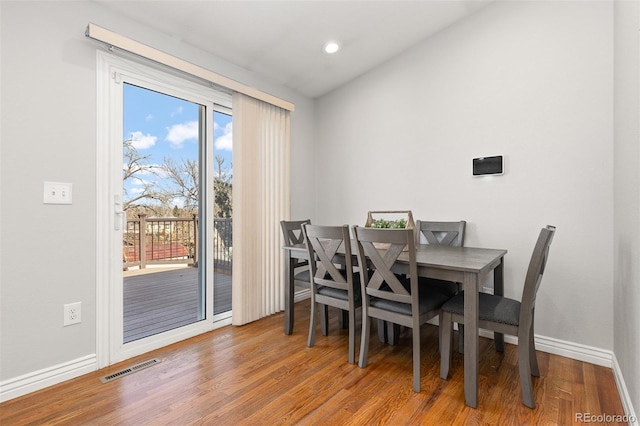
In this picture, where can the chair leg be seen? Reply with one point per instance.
(364, 339)
(525, 373)
(499, 343)
(324, 319)
(393, 333)
(446, 334)
(440, 329)
(416, 358)
(352, 336)
(311, 340)
(343, 319)
(388, 332)
(460, 329)
(533, 360)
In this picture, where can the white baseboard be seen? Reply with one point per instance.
(627, 405)
(563, 348)
(46, 377)
(301, 295)
(576, 351)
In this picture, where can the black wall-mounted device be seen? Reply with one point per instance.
(488, 166)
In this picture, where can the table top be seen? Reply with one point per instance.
(466, 259)
(470, 259)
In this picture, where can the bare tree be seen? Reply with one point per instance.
(172, 188)
(222, 188)
(139, 168)
(182, 180)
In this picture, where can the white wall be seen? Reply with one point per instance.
(626, 320)
(529, 80)
(48, 132)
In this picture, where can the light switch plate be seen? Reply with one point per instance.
(57, 193)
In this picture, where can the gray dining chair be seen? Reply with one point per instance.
(430, 232)
(292, 233)
(503, 315)
(384, 296)
(442, 233)
(332, 285)
(298, 268)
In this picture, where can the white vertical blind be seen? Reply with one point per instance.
(261, 198)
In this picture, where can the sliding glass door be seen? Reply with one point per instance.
(159, 196)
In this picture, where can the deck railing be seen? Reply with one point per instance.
(223, 244)
(173, 240)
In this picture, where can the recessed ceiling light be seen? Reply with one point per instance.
(331, 47)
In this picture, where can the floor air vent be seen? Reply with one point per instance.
(129, 370)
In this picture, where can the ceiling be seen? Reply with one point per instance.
(282, 40)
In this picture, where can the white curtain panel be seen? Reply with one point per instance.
(261, 198)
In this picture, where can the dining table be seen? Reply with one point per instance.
(470, 266)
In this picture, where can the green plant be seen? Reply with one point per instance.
(400, 223)
(383, 223)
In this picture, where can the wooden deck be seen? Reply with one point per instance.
(160, 300)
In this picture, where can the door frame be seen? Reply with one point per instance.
(111, 70)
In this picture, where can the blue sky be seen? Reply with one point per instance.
(163, 126)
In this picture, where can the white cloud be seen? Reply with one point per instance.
(149, 117)
(140, 141)
(178, 111)
(179, 133)
(159, 171)
(136, 190)
(226, 140)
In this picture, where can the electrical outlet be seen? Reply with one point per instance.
(72, 313)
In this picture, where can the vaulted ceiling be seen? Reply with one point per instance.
(282, 40)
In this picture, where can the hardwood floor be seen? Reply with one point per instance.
(256, 375)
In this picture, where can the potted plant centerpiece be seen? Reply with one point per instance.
(390, 219)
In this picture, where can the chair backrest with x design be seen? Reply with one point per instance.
(292, 233)
(381, 249)
(443, 233)
(323, 243)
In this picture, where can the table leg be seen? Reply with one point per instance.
(498, 290)
(471, 338)
(388, 332)
(382, 331)
(289, 289)
(343, 319)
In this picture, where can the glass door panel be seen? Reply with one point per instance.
(222, 211)
(163, 279)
